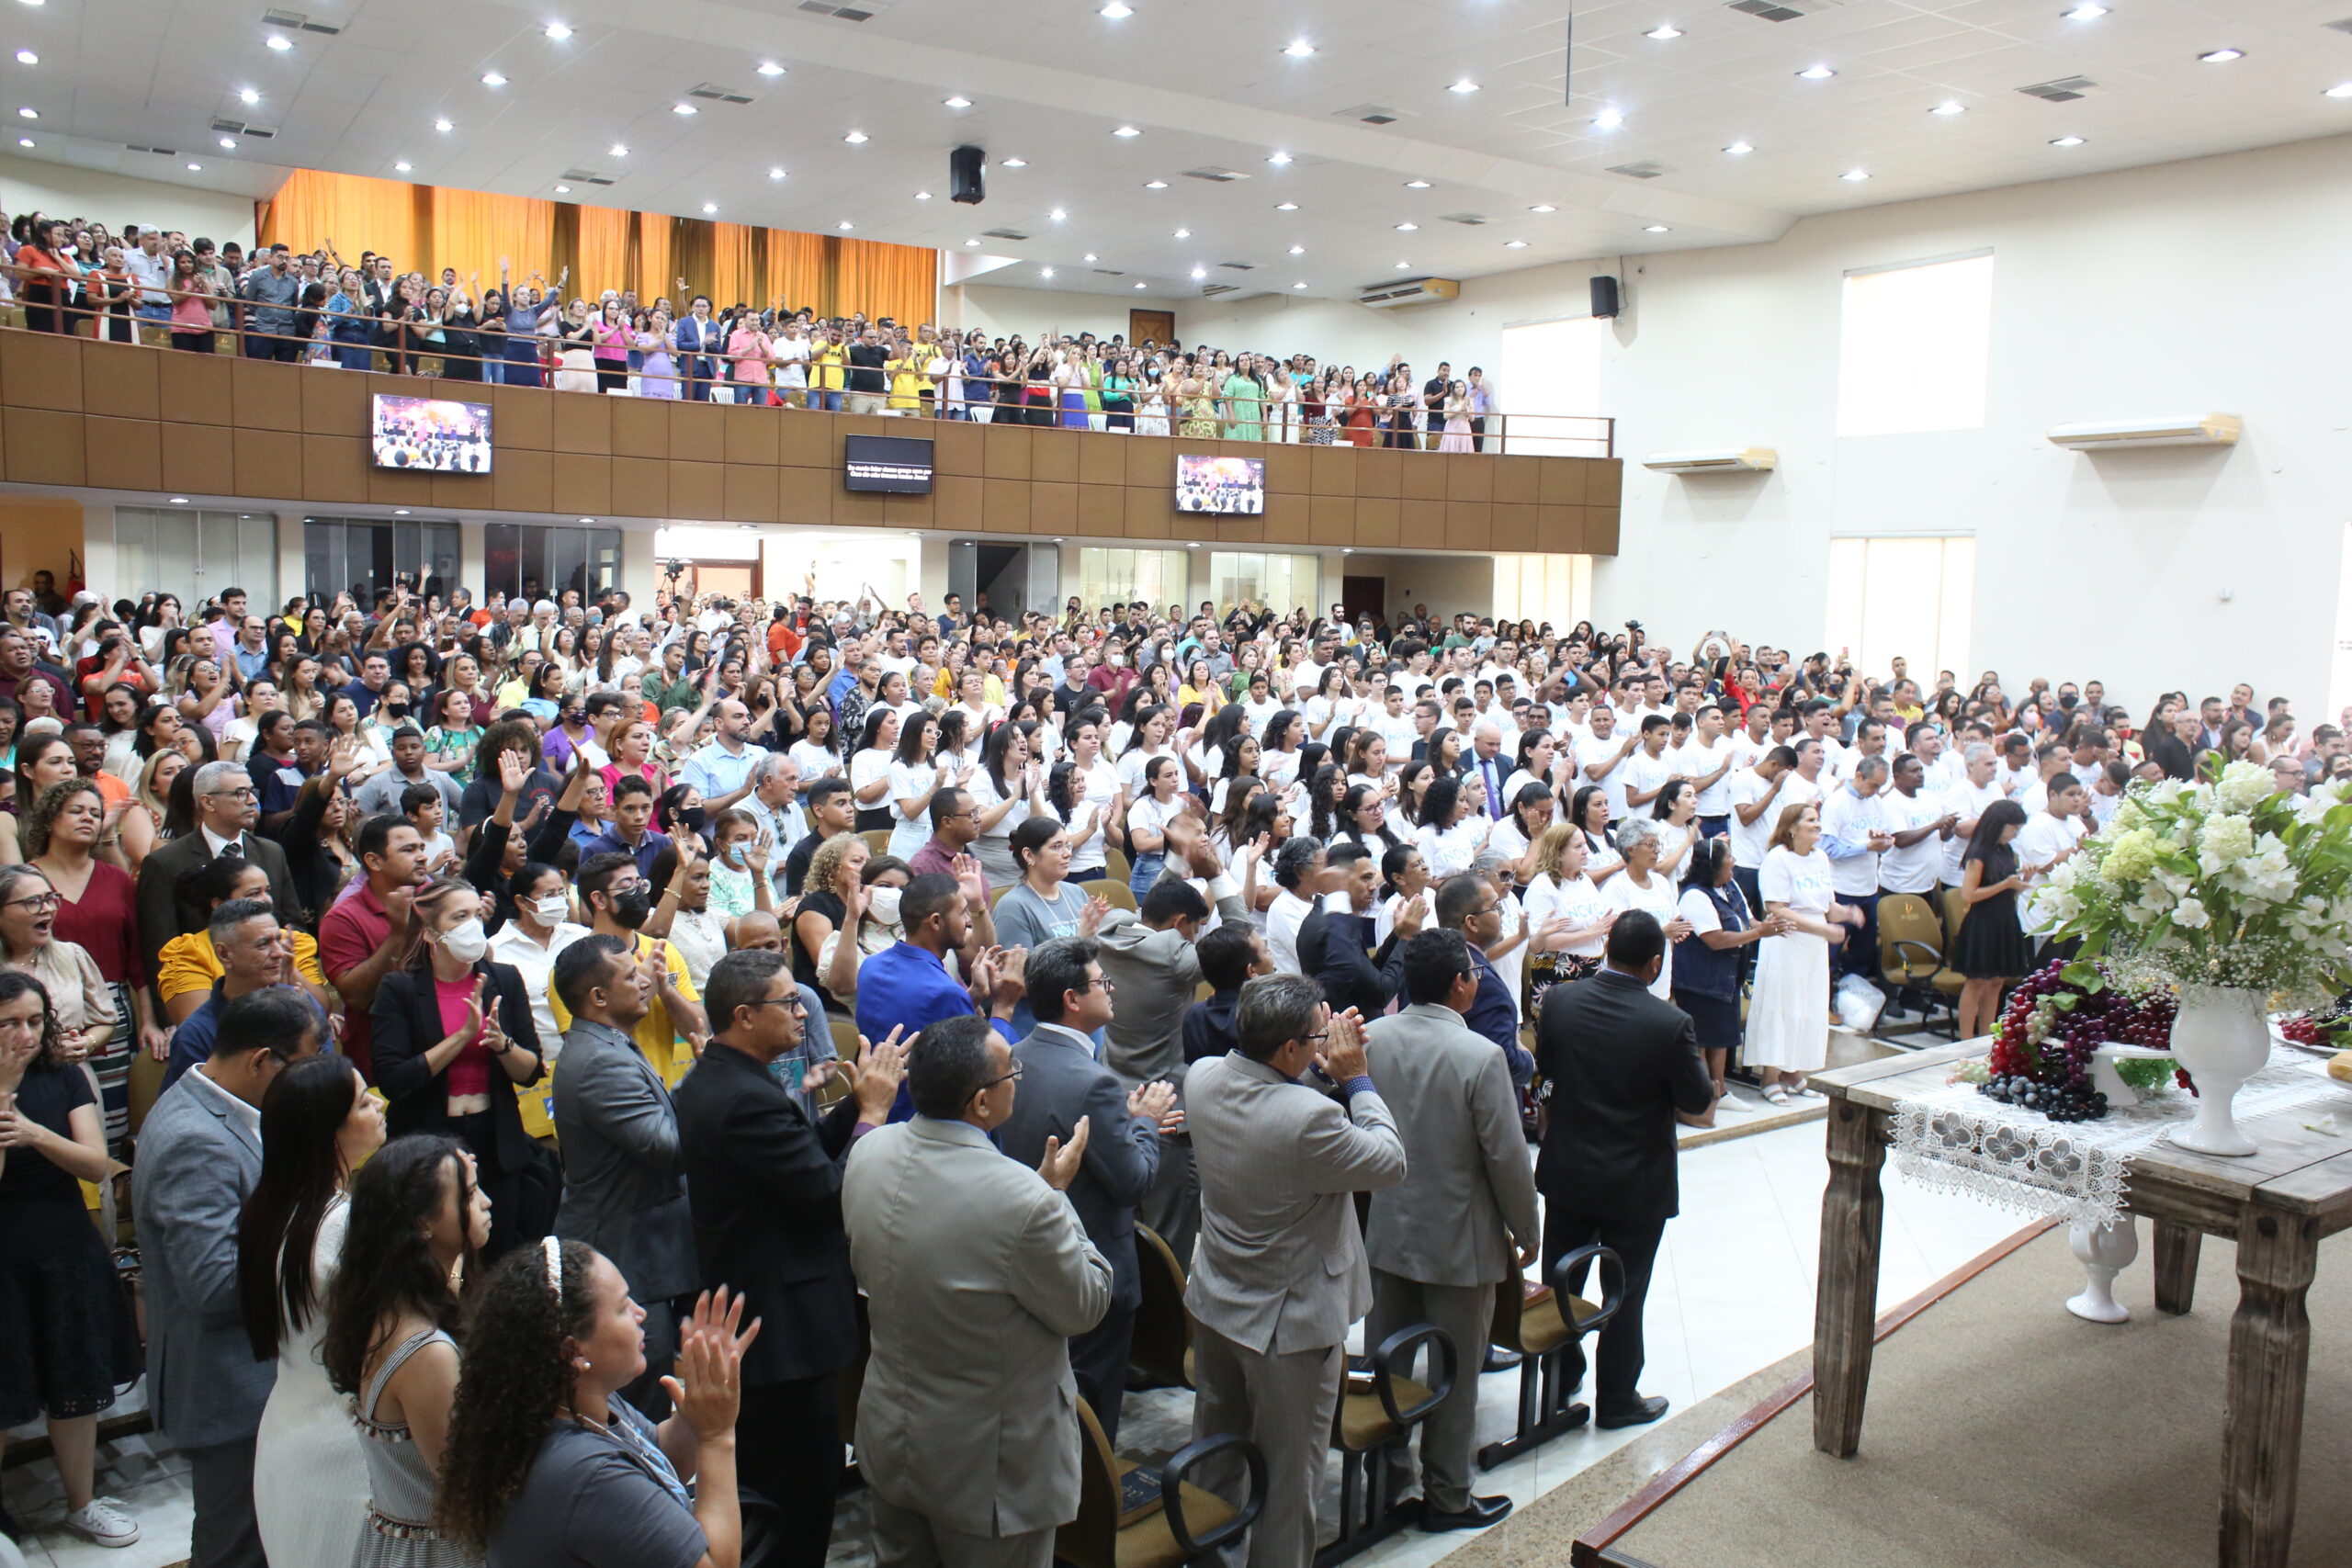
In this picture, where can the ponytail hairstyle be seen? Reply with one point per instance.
(517, 1377)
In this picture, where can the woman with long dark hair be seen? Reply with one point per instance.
(319, 1124)
(418, 1225)
(545, 1463)
(454, 1036)
(1990, 949)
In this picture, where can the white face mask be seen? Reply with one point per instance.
(883, 904)
(465, 943)
(553, 909)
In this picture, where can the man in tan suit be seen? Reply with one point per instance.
(1441, 1241)
(976, 1272)
(1279, 1273)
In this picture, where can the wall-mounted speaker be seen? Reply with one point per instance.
(966, 179)
(1604, 296)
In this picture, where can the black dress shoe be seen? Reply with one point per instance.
(1482, 1512)
(1501, 1360)
(1641, 1415)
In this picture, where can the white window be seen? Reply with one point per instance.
(1122, 576)
(1557, 588)
(194, 554)
(1548, 389)
(1910, 597)
(1281, 583)
(1912, 347)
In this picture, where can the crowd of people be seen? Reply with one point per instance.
(703, 963)
(163, 286)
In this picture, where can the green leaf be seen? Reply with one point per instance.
(2086, 976)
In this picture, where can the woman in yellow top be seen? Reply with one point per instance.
(827, 357)
(905, 368)
(186, 967)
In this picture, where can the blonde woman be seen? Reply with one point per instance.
(153, 795)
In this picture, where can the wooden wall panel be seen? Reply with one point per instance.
(1518, 479)
(46, 447)
(268, 396)
(43, 370)
(196, 390)
(268, 462)
(196, 459)
(640, 428)
(334, 469)
(123, 454)
(1423, 474)
(121, 381)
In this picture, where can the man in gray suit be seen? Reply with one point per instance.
(1442, 1240)
(624, 1179)
(976, 1272)
(199, 1154)
(1062, 1085)
(1280, 1273)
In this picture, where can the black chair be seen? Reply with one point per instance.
(1532, 1321)
(1375, 1414)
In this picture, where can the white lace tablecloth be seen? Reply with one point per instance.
(1961, 1141)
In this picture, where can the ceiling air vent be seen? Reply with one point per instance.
(159, 151)
(227, 126)
(862, 11)
(1110, 272)
(719, 95)
(589, 177)
(2343, 26)
(2065, 90)
(1467, 219)
(1370, 114)
(1211, 291)
(296, 19)
(1005, 235)
(1239, 266)
(1767, 9)
(1214, 175)
(261, 132)
(1639, 170)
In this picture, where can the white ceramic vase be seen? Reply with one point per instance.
(2220, 1035)
(2104, 1251)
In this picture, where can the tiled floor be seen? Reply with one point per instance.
(1733, 1292)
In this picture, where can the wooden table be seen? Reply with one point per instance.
(2278, 1204)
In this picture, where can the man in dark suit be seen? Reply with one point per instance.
(1335, 946)
(764, 1185)
(227, 810)
(1062, 1085)
(1619, 1064)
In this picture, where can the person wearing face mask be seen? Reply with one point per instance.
(872, 910)
(453, 1036)
(530, 943)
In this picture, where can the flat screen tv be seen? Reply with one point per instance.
(1236, 485)
(899, 465)
(436, 434)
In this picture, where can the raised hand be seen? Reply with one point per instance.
(969, 879)
(1343, 1055)
(1413, 913)
(1151, 1102)
(756, 854)
(1061, 1162)
(880, 1071)
(514, 772)
(1090, 920)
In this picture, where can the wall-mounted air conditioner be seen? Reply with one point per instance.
(1730, 460)
(1410, 291)
(2185, 430)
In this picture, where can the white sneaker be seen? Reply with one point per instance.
(1735, 1105)
(104, 1523)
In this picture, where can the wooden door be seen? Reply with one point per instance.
(1159, 326)
(735, 580)
(1360, 596)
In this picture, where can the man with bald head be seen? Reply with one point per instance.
(721, 772)
(1487, 761)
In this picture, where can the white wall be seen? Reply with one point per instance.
(1000, 312)
(62, 191)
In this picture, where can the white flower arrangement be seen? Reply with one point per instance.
(2226, 882)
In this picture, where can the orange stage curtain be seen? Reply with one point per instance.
(882, 280)
(733, 280)
(603, 252)
(800, 270)
(655, 277)
(473, 229)
(356, 213)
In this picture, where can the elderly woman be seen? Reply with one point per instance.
(1641, 885)
(78, 993)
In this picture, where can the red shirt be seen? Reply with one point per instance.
(349, 935)
(105, 924)
(469, 1068)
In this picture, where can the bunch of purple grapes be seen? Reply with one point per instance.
(2054, 1077)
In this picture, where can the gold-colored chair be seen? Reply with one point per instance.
(1118, 895)
(1911, 947)
(1542, 1322)
(995, 895)
(1377, 1412)
(877, 839)
(1115, 864)
(1131, 1515)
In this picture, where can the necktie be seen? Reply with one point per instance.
(1494, 806)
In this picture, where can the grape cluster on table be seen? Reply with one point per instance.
(2054, 1077)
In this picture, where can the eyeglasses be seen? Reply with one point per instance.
(37, 902)
(792, 1002)
(232, 794)
(1013, 1077)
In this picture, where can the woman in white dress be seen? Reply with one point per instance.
(1641, 885)
(1151, 413)
(1788, 1006)
(1454, 826)
(1568, 917)
(318, 1123)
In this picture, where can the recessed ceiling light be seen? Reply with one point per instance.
(1298, 286)
(195, 168)
(24, 140)
(1127, 130)
(1155, 185)
(1417, 185)
(776, 174)
(399, 510)
(1465, 86)
(1285, 207)
(708, 208)
(587, 520)
(1278, 159)
(1543, 207)
(1816, 73)
(922, 196)
(1200, 272)
(2341, 90)
(2087, 13)
(1090, 255)
(563, 190)
(2065, 142)
(400, 168)
(228, 144)
(1404, 267)
(1138, 285)
(620, 150)
(247, 96)
(1117, 10)
(492, 79)
(1949, 107)
(1014, 164)
(1654, 229)
(1298, 250)
(683, 109)
(846, 225)
(27, 56)
(958, 102)
(280, 42)
(179, 500)
(1407, 228)
(28, 113)
(443, 125)
(856, 139)
(971, 243)
(1057, 215)
(1514, 244)
(770, 68)
(2221, 56)
(1856, 175)
(1607, 119)
(1184, 233)
(1045, 272)
(1740, 149)
(1663, 31)
(1299, 49)
(557, 31)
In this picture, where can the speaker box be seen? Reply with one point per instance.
(966, 182)
(1604, 296)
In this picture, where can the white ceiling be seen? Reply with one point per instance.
(1205, 83)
